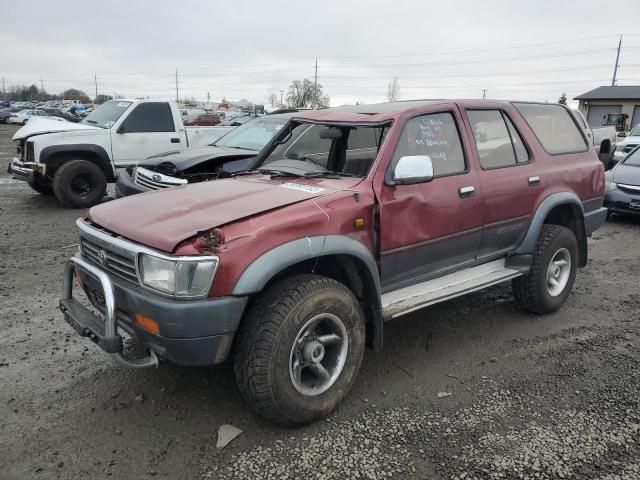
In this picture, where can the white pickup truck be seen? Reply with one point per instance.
(603, 138)
(74, 161)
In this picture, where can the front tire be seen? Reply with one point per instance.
(548, 284)
(79, 184)
(299, 349)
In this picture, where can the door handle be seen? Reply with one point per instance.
(175, 140)
(465, 192)
(533, 181)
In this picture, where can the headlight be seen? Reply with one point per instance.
(620, 147)
(611, 185)
(185, 277)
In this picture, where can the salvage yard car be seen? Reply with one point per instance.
(602, 138)
(627, 143)
(293, 266)
(74, 161)
(231, 153)
(623, 185)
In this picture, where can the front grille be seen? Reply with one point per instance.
(629, 189)
(629, 146)
(20, 149)
(155, 181)
(105, 257)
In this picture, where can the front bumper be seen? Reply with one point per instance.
(20, 170)
(125, 185)
(191, 332)
(620, 202)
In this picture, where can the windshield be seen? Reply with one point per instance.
(635, 132)
(252, 135)
(107, 114)
(633, 159)
(326, 150)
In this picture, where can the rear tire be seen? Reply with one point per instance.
(79, 184)
(299, 349)
(548, 284)
(41, 185)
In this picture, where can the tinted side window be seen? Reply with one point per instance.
(365, 137)
(522, 156)
(436, 136)
(492, 138)
(554, 127)
(150, 117)
(309, 142)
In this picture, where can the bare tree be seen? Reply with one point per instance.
(393, 90)
(273, 99)
(302, 93)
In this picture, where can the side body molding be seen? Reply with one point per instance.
(258, 274)
(530, 239)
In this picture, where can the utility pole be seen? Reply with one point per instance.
(95, 81)
(281, 94)
(41, 88)
(208, 97)
(315, 86)
(4, 89)
(615, 69)
(176, 84)
(484, 93)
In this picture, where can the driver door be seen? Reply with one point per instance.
(433, 228)
(148, 130)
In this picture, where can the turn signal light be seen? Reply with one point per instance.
(359, 222)
(147, 323)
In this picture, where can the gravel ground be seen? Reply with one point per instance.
(472, 388)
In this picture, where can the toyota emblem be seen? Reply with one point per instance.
(102, 256)
(156, 178)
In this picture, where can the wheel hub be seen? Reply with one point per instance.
(318, 354)
(558, 272)
(313, 351)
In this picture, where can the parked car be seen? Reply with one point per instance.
(623, 185)
(23, 116)
(602, 138)
(205, 120)
(230, 154)
(626, 143)
(293, 267)
(74, 161)
(68, 116)
(5, 113)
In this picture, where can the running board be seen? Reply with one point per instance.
(406, 300)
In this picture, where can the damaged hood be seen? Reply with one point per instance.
(179, 162)
(628, 174)
(38, 126)
(163, 219)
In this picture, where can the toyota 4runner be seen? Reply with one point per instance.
(293, 266)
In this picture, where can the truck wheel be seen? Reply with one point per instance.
(79, 184)
(548, 284)
(299, 349)
(41, 185)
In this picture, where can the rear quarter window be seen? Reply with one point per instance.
(554, 127)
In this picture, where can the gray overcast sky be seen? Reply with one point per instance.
(530, 50)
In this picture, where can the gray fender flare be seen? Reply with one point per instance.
(528, 244)
(264, 268)
(94, 150)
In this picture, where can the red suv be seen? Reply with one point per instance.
(293, 266)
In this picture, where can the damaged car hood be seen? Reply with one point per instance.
(163, 219)
(38, 126)
(626, 174)
(178, 162)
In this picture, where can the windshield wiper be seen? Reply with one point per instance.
(328, 174)
(91, 121)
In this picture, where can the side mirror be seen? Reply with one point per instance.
(413, 169)
(622, 134)
(121, 129)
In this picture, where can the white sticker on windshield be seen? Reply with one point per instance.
(303, 188)
(123, 104)
(278, 127)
